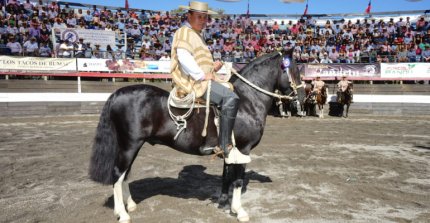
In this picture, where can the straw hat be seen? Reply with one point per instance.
(196, 6)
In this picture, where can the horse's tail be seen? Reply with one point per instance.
(105, 148)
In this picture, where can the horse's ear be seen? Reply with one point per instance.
(288, 53)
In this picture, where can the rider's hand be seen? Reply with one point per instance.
(217, 65)
(209, 76)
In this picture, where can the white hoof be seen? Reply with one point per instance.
(131, 208)
(242, 215)
(131, 205)
(236, 157)
(125, 221)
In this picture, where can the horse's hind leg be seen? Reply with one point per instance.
(118, 197)
(131, 205)
(121, 190)
(347, 110)
(122, 196)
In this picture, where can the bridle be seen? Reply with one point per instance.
(273, 94)
(293, 84)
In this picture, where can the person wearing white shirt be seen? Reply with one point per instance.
(44, 50)
(31, 47)
(146, 44)
(88, 17)
(217, 55)
(59, 25)
(325, 59)
(80, 48)
(65, 49)
(15, 47)
(185, 68)
(237, 55)
(135, 32)
(164, 57)
(71, 21)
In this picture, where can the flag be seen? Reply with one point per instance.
(126, 4)
(247, 11)
(369, 7)
(306, 9)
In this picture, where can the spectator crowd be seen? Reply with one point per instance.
(26, 29)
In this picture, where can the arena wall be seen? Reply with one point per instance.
(38, 97)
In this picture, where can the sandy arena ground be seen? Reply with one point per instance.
(360, 169)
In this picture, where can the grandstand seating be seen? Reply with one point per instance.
(315, 39)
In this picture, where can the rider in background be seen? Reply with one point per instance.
(318, 84)
(342, 86)
(192, 67)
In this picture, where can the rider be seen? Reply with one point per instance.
(192, 68)
(318, 84)
(342, 86)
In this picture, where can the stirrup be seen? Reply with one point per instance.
(236, 157)
(218, 152)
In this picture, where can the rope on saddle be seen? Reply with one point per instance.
(208, 97)
(181, 120)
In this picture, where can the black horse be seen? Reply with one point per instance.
(345, 98)
(310, 101)
(295, 105)
(137, 114)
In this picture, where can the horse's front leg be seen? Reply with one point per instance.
(227, 179)
(320, 108)
(233, 175)
(322, 111)
(236, 204)
(347, 110)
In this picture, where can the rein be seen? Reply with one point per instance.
(259, 88)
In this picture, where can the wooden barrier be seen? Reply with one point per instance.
(91, 74)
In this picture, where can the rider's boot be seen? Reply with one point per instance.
(228, 116)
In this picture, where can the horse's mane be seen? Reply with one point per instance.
(258, 61)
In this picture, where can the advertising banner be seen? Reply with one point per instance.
(101, 37)
(135, 66)
(37, 64)
(338, 70)
(405, 70)
(126, 65)
(96, 65)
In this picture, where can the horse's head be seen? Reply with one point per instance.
(291, 77)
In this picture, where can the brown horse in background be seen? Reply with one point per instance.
(321, 99)
(309, 105)
(345, 98)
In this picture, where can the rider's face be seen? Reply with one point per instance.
(197, 20)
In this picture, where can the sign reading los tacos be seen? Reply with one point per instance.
(37, 64)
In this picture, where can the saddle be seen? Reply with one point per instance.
(183, 100)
